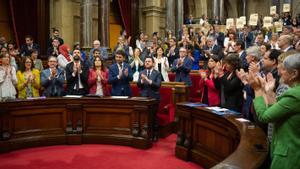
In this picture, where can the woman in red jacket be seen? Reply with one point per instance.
(210, 93)
(98, 77)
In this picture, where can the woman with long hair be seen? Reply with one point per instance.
(209, 84)
(136, 64)
(161, 64)
(8, 79)
(98, 78)
(28, 79)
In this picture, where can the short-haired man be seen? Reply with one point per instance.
(149, 82)
(119, 76)
(285, 43)
(52, 79)
(28, 46)
(77, 74)
(182, 67)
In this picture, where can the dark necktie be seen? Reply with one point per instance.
(148, 74)
(77, 81)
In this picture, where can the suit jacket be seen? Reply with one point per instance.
(26, 52)
(120, 87)
(216, 50)
(92, 81)
(71, 80)
(285, 115)
(150, 90)
(182, 72)
(244, 61)
(53, 87)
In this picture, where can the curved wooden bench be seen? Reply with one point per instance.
(212, 140)
(52, 121)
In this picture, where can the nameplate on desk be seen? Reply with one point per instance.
(35, 98)
(196, 104)
(94, 95)
(73, 96)
(222, 111)
(119, 97)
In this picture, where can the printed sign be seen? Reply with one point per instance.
(286, 7)
(229, 23)
(272, 10)
(253, 19)
(239, 23)
(268, 21)
(278, 26)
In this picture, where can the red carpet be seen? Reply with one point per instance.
(160, 156)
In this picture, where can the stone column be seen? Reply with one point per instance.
(103, 22)
(179, 14)
(221, 10)
(216, 8)
(86, 24)
(170, 19)
(244, 7)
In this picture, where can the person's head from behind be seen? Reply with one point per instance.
(232, 62)
(270, 59)
(253, 54)
(149, 62)
(28, 40)
(34, 54)
(291, 70)
(52, 62)
(96, 44)
(212, 61)
(120, 56)
(5, 59)
(281, 58)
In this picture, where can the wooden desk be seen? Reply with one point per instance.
(218, 141)
(52, 121)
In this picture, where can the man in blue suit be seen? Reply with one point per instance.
(119, 76)
(52, 79)
(182, 67)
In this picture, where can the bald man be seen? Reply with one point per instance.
(285, 43)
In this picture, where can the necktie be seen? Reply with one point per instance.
(77, 81)
(148, 73)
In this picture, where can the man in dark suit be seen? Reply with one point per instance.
(211, 49)
(239, 48)
(182, 67)
(77, 74)
(52, 79)
(28, 46)
(149, 82)
(119, 75)
(190, 20)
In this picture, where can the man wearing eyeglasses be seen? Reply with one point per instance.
(182, 67)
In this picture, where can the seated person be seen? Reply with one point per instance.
(182, 67)
(98, 77)
(28, 46)
(119, 76)
(77, 73)
(38, 64)
(8, 79)
(53, 79)
(28, 80)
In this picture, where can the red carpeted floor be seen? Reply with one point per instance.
(91, 156)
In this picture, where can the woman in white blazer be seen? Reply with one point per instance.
(162, 64)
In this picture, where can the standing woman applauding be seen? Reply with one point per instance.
(28, 79)
(8, 79)
(98, 77)
(161, 64)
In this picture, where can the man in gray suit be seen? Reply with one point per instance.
(53, 79)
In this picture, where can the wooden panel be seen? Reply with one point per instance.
(208, 139)
(30, 123)
(114, 34)
(5, 26)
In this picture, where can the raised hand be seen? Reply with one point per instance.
(270, 83)
(126, 72)
(242, 75)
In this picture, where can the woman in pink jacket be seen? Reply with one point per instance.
(98, 77)
(210, 93)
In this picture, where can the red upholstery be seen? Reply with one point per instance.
(135, 91)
